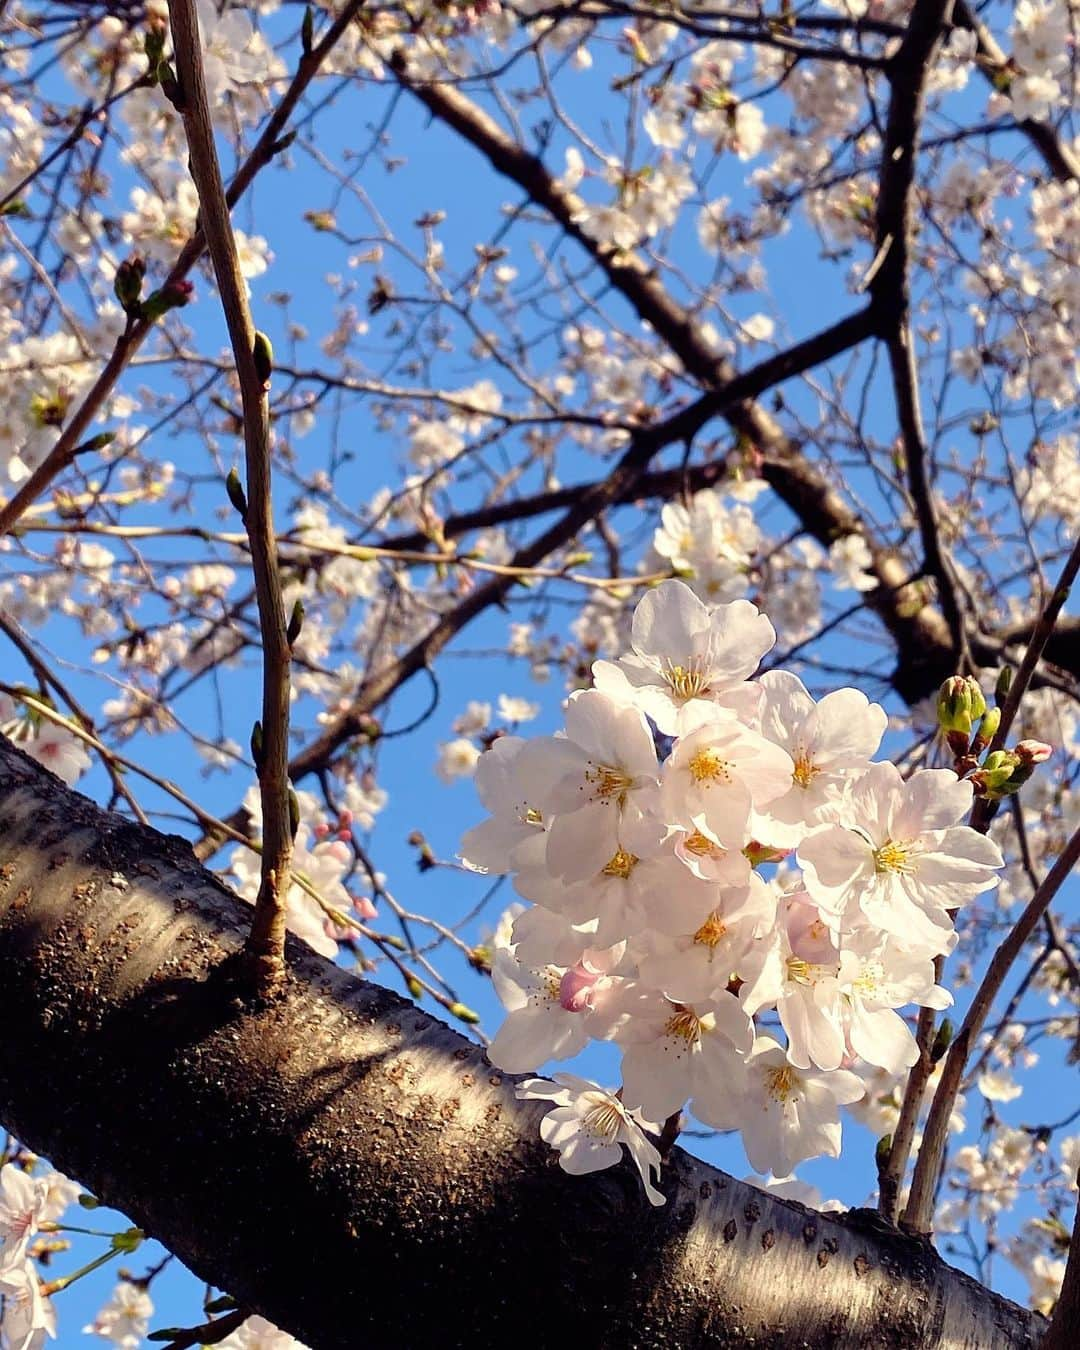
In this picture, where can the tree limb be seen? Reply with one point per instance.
(342, 1122)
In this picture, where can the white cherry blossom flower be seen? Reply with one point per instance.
(125, 1319)
(899, 860)
(514, 834)
(599, 783)
(588, 1126)
(547, 1015)
(718, 773)
(29, 1315)
(675, 1051)
(784, 1114)
(828, 742)
(24, 1206)
(687, 659)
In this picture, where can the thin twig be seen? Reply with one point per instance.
(266, 941)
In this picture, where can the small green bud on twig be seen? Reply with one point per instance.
(942, 1040)
(1004, 684)
(257, 746)
(294, 812)
(987, 730)
(173, 295)
(128, 283)
(415, 988)
(263, 354)
(307, 31)
(296, 623)
(235, 489)
(464, 1014)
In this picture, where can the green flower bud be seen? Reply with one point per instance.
(128, 283)
(960, 702)
(263, 353)
(942, 1040)
(235, 489)
(173, 295)
(987, 730)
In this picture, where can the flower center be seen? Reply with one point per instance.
(686, 683)
(621, 865)
(783, 1083)
(711, 931)
(709, 766)
(702, 847)
(532, 816)
(608, 782)
(805, 770)
(603, 1120)
(686, 1025)
(894, 857)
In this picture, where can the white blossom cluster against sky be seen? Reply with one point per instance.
(440, 346)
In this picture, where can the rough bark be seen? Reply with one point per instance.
(355, 1170)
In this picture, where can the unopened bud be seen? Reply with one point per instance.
(128, 283)
(881, 1153)
(756, 854)
(294, 812)
(1002, 773)
(960, 703)
(1033, 752)
(173, 295)
(987, 730)
(415, 988)
(296, 623)
(942, 1040)
(1003, 685)
(307, 31)
(464, 1014)
(257, 745)
(263, 354)
(128, 1241)
(235, 489)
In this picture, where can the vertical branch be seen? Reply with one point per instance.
(266, 941)
(917, 1217)
(1063, 1329)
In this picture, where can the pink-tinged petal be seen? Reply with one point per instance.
(843, 729)
(881, 1037)
(582, 843)
(787, 705)
(666, 620)
(934, 800)
(835, 860)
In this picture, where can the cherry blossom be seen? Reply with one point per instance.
(588, 1125)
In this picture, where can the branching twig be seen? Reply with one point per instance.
(266, 941)
(917, 1217)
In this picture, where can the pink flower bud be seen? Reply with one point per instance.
(575, 989)
(1034, 752)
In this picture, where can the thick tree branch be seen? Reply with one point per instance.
(341, 1121)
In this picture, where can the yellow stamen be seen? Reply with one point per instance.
(621, 865)
(686, 682)
(702, 847)
(782, 1083)
(709, 766)
(686, 1025)
(609, 781)
(603, 1120)
(711, 931)
(893, 857)
(805, 770)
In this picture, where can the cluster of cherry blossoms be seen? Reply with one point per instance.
(640, 836)
(27, 1204)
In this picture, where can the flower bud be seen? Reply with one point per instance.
(128, 283)
(987, 730)
(1003, 685)
(960, 702)
(173, 295)
(1002, 773)
(1033, 752)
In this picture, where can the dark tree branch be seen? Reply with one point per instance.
(341, 1120)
